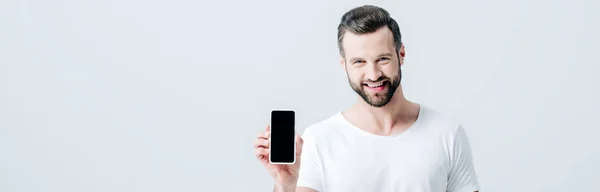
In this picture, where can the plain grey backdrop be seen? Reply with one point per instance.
(132, 95)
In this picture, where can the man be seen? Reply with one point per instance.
(383, 142)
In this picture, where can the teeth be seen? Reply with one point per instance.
(375, 85)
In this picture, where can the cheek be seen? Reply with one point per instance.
(354, 75)
(390, 70)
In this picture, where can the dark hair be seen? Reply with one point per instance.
(367, 19)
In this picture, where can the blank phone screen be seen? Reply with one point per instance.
(282, 136)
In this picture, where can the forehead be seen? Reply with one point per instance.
(369, 44)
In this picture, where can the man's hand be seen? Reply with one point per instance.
(286, 176)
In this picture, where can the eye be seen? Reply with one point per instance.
(384, 60)
(358, 62)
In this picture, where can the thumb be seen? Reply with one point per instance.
(299, 144)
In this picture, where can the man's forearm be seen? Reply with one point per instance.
(284, 188)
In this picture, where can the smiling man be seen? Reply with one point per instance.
(383, 142)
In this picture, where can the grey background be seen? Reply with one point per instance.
(132, 95)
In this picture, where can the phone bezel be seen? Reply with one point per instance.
(271, 120)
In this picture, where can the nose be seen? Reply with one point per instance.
(373, 72)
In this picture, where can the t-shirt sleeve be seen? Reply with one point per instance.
(462, 177)
(310, 166)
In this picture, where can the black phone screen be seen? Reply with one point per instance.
(283, 135)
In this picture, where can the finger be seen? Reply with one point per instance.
(264, 159)
(299, 144)
(261, 152)
(268, 127)
(264, 135)
(299, 139)
(261, 143)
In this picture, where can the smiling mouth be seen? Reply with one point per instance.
(376, 86)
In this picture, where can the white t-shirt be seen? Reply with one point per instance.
(432, 155)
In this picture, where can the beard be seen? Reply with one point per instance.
(378, 99)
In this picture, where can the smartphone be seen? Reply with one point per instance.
(282, 146)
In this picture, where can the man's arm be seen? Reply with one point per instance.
(309, 175)
(462, 176)
(279, 188)
(298, 189)
(305, 189)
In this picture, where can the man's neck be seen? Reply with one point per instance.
(393, 118)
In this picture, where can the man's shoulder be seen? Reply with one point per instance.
(440, 122)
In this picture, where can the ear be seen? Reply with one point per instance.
(401, 54)
(343, 63)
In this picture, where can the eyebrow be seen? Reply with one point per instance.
(378, 56)
(385, 54)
